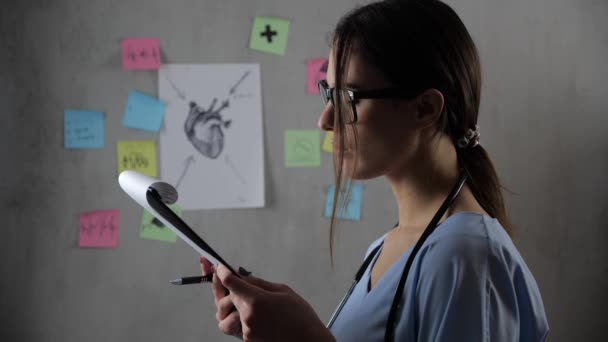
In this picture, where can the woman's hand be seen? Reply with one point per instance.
(265, 311)
(231, 325)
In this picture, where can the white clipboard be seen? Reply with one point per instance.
(154, 195)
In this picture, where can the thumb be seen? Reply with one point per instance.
(206, 266)
(236, 285)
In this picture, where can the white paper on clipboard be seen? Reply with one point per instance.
(137, 185)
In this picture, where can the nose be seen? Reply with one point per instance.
(326, 119)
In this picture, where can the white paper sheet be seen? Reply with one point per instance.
(211, 144)
(136, 185)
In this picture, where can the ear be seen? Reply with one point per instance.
(429, 106)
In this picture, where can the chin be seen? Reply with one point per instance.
(363, 171)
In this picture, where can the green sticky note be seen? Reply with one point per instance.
(269, 35)
(152, 229)
(302, 148)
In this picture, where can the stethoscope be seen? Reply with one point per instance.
(391, 322)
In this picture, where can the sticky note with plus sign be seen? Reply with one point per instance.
(269, 34)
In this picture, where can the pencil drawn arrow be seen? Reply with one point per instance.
(236, 172)
(233, 89)
(189, 161)
(181, 94)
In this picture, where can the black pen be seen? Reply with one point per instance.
(202, 279)
(193, 280)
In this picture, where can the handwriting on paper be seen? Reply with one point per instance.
(140, 53)
(352, 211)
(269, 35)
(83, 129)
(99, 228)
(302, 148)
(137, 155)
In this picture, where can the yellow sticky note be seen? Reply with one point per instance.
(138, 155)
(327, 142)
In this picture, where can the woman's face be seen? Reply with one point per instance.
(386, 134)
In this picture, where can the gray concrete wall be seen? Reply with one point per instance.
(543, 120)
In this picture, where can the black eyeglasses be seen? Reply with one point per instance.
(353, 96)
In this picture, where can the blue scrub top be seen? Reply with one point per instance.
(468, 282)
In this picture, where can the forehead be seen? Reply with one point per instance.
(359, 73)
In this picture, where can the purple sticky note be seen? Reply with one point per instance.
(316, 69)
(99, 228)
(140, 53)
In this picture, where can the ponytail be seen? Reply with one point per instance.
(485, 183)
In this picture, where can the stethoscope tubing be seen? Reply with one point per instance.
(392, 316)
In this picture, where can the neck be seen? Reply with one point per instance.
(420, 190)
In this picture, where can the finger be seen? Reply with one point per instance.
(240, 289)
(231, 325)
(206, 266)
(219, 291)
(266, 285)
(224, 308)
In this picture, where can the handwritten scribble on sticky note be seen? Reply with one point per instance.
(302, 148)
(83, 129)
(143, 112)
(269, 35)
(352, 211)
(328, 142)
(140, 53)
(316, 70)
(152, 229)
(99, 228)
(138, 155)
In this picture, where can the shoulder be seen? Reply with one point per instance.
(471, 260)
(470, 251)
(471, 238)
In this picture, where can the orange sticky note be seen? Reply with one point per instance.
(99, 228)
(140, 53)
(316, 70)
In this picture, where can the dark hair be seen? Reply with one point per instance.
(418, 45)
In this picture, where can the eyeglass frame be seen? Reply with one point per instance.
(327, 95)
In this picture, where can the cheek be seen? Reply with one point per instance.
(374, 155)
(381, 147)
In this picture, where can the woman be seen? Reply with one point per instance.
(402, 98)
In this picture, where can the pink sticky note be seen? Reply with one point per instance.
(140, 53)
(316, 69)
(99, 228)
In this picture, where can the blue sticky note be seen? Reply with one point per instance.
(353, 208)
(143, 112)
(82, 129)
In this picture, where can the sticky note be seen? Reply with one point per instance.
(140, 53)
(143, 112)
(98, 228)
(152, 229)
(316, 70)
(352, 211)
(82, 129)
(327, 142)
(302, 148)
(269, 34)
(138, 155)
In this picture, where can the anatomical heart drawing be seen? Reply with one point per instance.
(211, 141)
